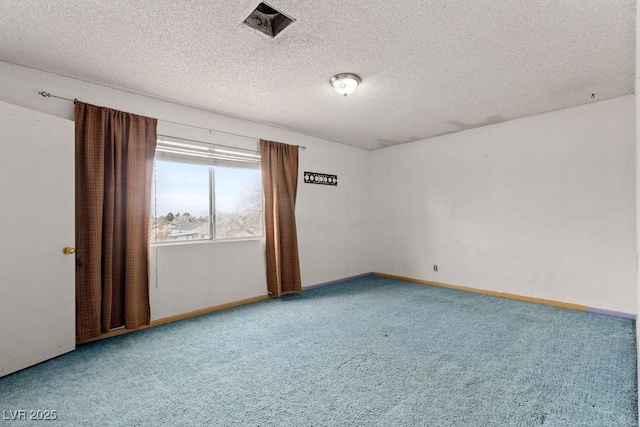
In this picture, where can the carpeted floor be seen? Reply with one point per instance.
(369, 352)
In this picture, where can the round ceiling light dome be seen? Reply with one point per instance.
(345, 83)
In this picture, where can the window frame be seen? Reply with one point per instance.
(231, 157)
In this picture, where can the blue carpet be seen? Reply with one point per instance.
(369, 352)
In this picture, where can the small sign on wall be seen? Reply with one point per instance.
(320, 178)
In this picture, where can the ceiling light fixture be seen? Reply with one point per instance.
(345, 83)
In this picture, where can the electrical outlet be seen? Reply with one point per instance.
(435, 267)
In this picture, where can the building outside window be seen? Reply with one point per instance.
(205, 192)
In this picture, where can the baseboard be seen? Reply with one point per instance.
(176, 318)
(543, 301)
(611, 313)
(334, 282)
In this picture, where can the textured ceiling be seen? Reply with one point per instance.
(428, 67)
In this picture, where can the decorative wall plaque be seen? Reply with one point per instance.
(320, 178)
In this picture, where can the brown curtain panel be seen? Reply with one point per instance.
(114, 165)
(280, 181)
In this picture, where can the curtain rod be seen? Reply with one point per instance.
(211, 131)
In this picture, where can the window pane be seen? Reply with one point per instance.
(180, 206)
(238, 194)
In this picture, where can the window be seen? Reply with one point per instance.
(205, 192)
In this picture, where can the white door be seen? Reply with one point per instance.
(37, 281)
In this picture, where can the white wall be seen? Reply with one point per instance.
(332, 221)
(542, 206)
(637, 159)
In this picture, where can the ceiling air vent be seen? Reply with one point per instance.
(268, 20)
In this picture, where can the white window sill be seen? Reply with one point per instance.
(204, 241)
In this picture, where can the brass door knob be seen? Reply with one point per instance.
(68, 250)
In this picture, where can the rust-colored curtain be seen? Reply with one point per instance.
(114, 165)
(279, 164)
